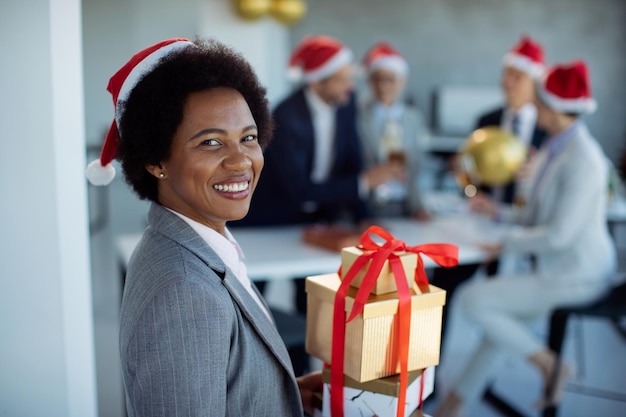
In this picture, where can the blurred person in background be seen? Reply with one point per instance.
(391, 131)
(563, 226)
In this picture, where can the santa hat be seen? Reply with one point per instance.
(566, 88)
(318, 57)
(526, 56)
(385, 56)
(101, 171)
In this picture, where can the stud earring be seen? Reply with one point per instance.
(161, 175)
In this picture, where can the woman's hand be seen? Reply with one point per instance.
(421, 215)
(309, 384)
(481, 203)
(381, 174)
(492, 250)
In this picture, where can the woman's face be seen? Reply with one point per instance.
(215, 159)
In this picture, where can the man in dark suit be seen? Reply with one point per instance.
(522, 66)
(313, 166)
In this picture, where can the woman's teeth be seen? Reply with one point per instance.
(232, 188)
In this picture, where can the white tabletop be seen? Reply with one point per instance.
(274, 253)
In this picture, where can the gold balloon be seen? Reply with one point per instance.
(490, 156)
(288, 11)
(253, 9)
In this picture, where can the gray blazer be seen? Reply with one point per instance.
(566, 223)
(193, 342)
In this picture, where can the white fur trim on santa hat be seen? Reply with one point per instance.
(393, 63)
(567, 105)
(523, 63)
(98, 174)
(142, 68)
(334, 64)
(294, 74)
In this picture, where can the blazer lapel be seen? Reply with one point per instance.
(264, 326)
(539, 194)
(175, 228)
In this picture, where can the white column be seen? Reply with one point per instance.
(46, 325)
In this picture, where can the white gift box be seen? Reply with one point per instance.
(359, 402)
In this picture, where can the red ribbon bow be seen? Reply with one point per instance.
(443, 254)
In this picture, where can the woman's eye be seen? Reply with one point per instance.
(210, 142)
(248, 138)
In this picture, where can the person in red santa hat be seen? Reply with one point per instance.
(563, 226)
(391, 130)
(196, 337)
(523, 64)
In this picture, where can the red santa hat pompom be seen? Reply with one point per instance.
(527, 56)
(318, 57)
(566, 88)
(101, 171)
(385, 56)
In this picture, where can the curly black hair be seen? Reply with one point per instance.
(154, 108)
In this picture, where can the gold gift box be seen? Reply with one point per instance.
(386, 282)
(370, 350)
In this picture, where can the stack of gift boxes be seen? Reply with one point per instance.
(373, 379)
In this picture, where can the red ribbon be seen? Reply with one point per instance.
(443, 254)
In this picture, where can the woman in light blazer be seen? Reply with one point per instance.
(563, 225)
(196, 337)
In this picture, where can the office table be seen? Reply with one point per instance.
(275, 253)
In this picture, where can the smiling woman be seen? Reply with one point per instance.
(215, 160)
(196, 337)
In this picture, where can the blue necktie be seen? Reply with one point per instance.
(515, 125)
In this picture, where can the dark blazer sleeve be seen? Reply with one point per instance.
(492, 118)
(349, 158)
(539, 136)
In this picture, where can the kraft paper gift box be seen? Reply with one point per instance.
(370, 350)
(385, 282)
(380, 396)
